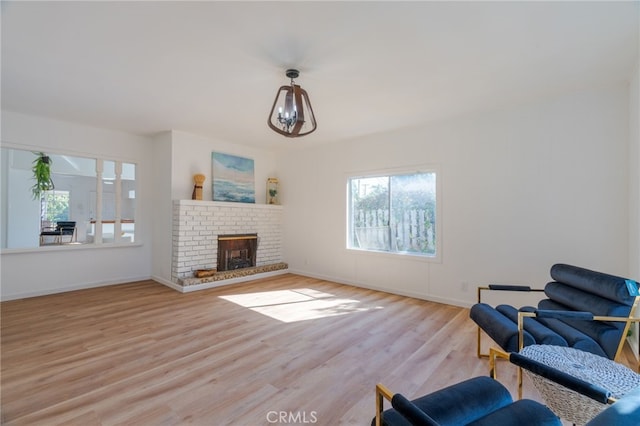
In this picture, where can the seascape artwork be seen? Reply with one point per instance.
(233, 178)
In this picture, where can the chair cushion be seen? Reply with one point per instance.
(500, 328)
(465, 402)
(542, 334)
(457, 404)
(590, 336)
(522, 412)
(604, 285)
(480, 401)
(578, 300)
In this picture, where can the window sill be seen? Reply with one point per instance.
(68, 247)
(394, 255)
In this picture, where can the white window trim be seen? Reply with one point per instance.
(99, 162)
(423, 168)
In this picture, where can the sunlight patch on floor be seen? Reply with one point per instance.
(297, 304)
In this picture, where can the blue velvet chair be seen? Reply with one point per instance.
(624, 412)
(608, 299)
(483, 401)
(480, 401)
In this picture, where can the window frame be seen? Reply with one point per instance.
(136, 241)
(424, 168)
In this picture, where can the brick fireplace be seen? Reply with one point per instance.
(197, 226)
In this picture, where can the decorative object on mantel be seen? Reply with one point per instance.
(42, 175)
(272, 191)
(233, 178)
(291, 114)
(198, 180)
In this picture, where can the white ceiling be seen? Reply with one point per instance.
(213, 68)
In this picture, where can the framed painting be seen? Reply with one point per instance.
(233, 178)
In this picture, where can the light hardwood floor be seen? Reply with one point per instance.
(143, 354)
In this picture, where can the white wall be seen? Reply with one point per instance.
(634, 189)
(522, 188)
(178, 156)
(162, 208)
(4, 208)
(23, 212)
(634, 174)
(42, 271)
(191, 154)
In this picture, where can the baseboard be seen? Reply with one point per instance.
(84, 286)
(430, 298)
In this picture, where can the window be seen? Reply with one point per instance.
(114, 222)
(97, 195)
(55, 206)
(394, 213)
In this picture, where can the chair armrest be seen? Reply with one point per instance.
(590, 390)
(505, 287)
(402, 405)
(382, 393)
(509, 287)
(575, 315)
(411, 412)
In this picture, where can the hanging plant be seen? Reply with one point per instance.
(42, 175)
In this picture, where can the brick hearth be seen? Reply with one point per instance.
(236, 273)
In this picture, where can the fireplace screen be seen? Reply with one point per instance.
(237, 251)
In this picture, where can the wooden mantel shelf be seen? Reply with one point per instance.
(226, 204)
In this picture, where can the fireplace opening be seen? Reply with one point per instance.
(237, 251)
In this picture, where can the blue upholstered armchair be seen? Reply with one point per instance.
(624, 412)
(608, 301)
(478, 401)
(483, 401)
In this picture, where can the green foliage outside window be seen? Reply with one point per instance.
(56, 206)
(394, 213)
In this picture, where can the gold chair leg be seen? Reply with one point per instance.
(493, 354)
(479, 345)
(519, 374)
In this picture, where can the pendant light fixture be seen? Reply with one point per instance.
(291, 114)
